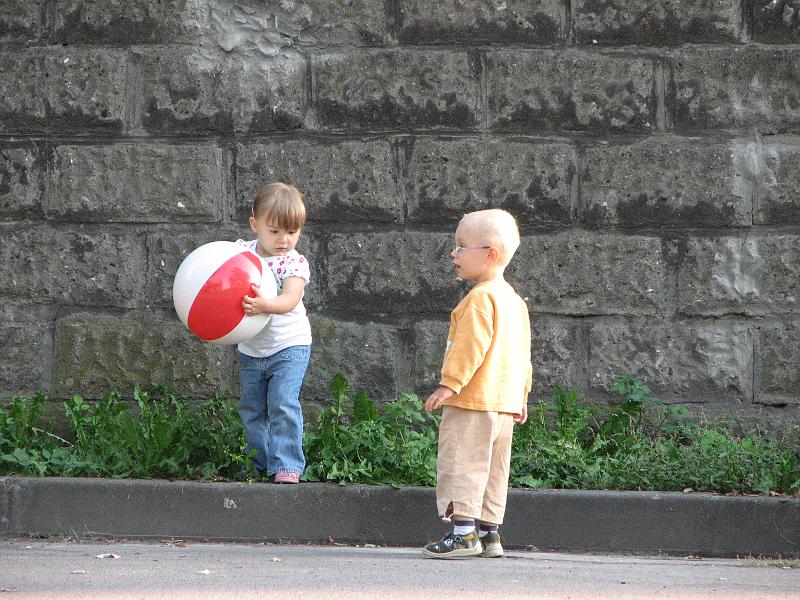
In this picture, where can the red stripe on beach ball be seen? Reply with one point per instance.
(217, 309)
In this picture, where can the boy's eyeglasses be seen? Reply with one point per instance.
(459, 249)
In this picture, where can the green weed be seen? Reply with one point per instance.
(353, 443)
(639, 443)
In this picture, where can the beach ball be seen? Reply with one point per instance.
(208, 291)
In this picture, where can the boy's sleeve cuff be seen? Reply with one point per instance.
(451, 383)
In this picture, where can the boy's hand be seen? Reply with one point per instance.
(255, 304)
(523, 416)
(439, 395)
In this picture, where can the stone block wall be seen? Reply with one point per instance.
(649, 150)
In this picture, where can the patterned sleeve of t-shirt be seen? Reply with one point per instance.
(290, 265)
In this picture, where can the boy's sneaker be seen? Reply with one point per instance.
(286, 477)
(492, 548)
(455, 546)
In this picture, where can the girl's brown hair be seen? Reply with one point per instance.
(282, 204)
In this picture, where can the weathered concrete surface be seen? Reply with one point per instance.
(648, 150)
(77, 90)
(664, 182)
(22, 20)
(777, 354)
(374, 357)
(482, 22)
(22, 178)
(94, 353)
(670, 22)
(778, 179)
(681, 362)
(190, 92)
(419, 279)
(382, 89)
(673, 523)
(737, 87)
(90, 266)
(137, 182)
(26, 336)
(590, 273)
(751, 274)
(122, 22)
(570, 90)
(352, 179)
(450, 176)
(775, 22)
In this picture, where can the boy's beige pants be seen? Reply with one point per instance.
(473, 463)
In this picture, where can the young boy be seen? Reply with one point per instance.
(486, 378)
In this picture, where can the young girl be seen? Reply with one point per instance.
(272, 364)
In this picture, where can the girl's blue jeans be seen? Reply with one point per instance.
(269, 407)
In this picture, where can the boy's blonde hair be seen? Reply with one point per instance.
(495, 227)
(281, 203)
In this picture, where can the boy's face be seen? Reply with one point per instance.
(273, 240)
(470, 255)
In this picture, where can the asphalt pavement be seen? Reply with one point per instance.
(176, 569)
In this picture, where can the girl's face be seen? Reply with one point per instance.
(273, 240)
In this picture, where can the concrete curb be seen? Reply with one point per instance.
(565, 520)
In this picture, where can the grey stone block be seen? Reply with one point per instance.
(449, 177)
(21, 20)
(148, 183)
(84, 266)
(430, 342)
(84, 88)
(96, 353)
(391, 273)
(254, 27)
(778, 181)
(396, 89)
(26, 345)
(775, 21)
(736, 87)
(21, 88)
(65, 89)
(777, 367)
(334, 23)
(122, 22)
(351, 180)
(193, 90)
(373, 357)
(670, 22)
(311, 245)
(686, 362)
(558, 355)
(22, 172)
(482, 22)
(582, 273)
(753, 275)
(570, 89)
(667, 182)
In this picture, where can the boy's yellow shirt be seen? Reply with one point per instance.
(488, 358)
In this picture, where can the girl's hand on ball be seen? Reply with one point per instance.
(255, 304)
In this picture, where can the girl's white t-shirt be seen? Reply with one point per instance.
(289, 329)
